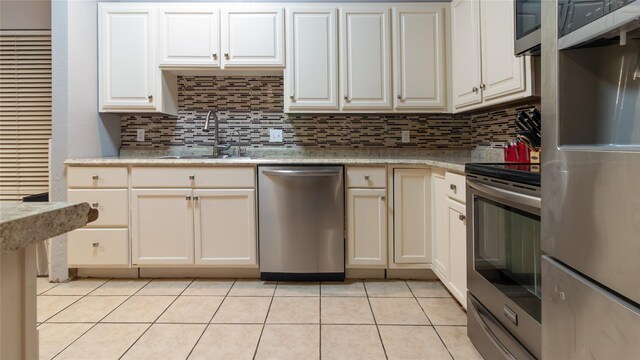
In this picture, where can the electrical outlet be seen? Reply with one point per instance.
(140, 135)
(406, 136)
(275, 135)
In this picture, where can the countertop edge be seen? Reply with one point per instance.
(19, 233)
(456, 165)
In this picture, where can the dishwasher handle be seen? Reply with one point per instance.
(313, 173)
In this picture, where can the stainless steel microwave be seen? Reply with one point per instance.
(527, 27)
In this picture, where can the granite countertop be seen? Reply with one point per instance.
(453, 161)
(23, 224)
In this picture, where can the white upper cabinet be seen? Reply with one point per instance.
(127, 66)
(312, 71)
(485, 70)
(502, 71)
(189, 35)
(253, 37)
(419, 57)
(465, 39)
(365, 59)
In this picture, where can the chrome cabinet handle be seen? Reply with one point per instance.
(95, 244)
(95, 177)
(483, 86)
(150, 97)
(452, 187)
(226, 55)
(461, 217)
(474, 89)
(188, 198)
(215, 56)
(196, 198)
(192, 177)
(94, 205)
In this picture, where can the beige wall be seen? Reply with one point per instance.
(25, 14)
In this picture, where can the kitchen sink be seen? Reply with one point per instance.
(204, 157)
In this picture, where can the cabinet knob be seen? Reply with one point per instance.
(483, 86)
(453, 187)
(95, 177)
(366, 177)
(292, 97)
(94, 205)
(95, 244)
(214, 56)
(192, 177)
(383, 198)
(461, 217)
(188, 198)
(346, 98)
(400, 97)
(150, 97)
(196, 198)
(474, 89)
(226, 55)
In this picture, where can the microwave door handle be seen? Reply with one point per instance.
(506, 194)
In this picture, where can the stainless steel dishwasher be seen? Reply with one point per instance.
(301, 222)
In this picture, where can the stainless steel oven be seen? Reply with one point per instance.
(503, 264)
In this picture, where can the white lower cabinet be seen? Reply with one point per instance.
(366, 228)
(225, 230)
(450, 237)
(412, 216)
(162, 226)
(457, 250)
(98, 247)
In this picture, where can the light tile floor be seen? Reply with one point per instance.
(250, 319)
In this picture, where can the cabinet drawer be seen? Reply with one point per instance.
(456, 186)
(366, 177)
(97, 177)
(111, 204)
(98, 247)
(181, 177)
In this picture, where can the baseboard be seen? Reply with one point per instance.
(200, 273)
(411, 274)
(107, 273)
(364, 273)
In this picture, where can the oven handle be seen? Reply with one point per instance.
(506, 194)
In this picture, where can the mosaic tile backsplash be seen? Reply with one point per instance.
(249, 106)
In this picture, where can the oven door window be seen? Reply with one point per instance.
(507, 252)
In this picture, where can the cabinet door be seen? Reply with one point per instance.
(458, 250)
(366, 228)
(419, 58)
(162, 226)
(502, 71)
(225, 227)
(365, 59)
(311, 77)
(465, 39)
(441, 233)
(253, 37)
(412, 216)
(189, 36)
(127, 58)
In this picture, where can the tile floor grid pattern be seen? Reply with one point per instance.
(434, 290)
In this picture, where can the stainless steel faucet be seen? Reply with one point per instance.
(216, 132)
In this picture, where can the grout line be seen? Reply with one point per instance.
(430, 322)
(264, 324)
(94, 324)
(211, 319)
(154, 322)
(375, 321)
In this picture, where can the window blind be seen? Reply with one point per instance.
(25, 113)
